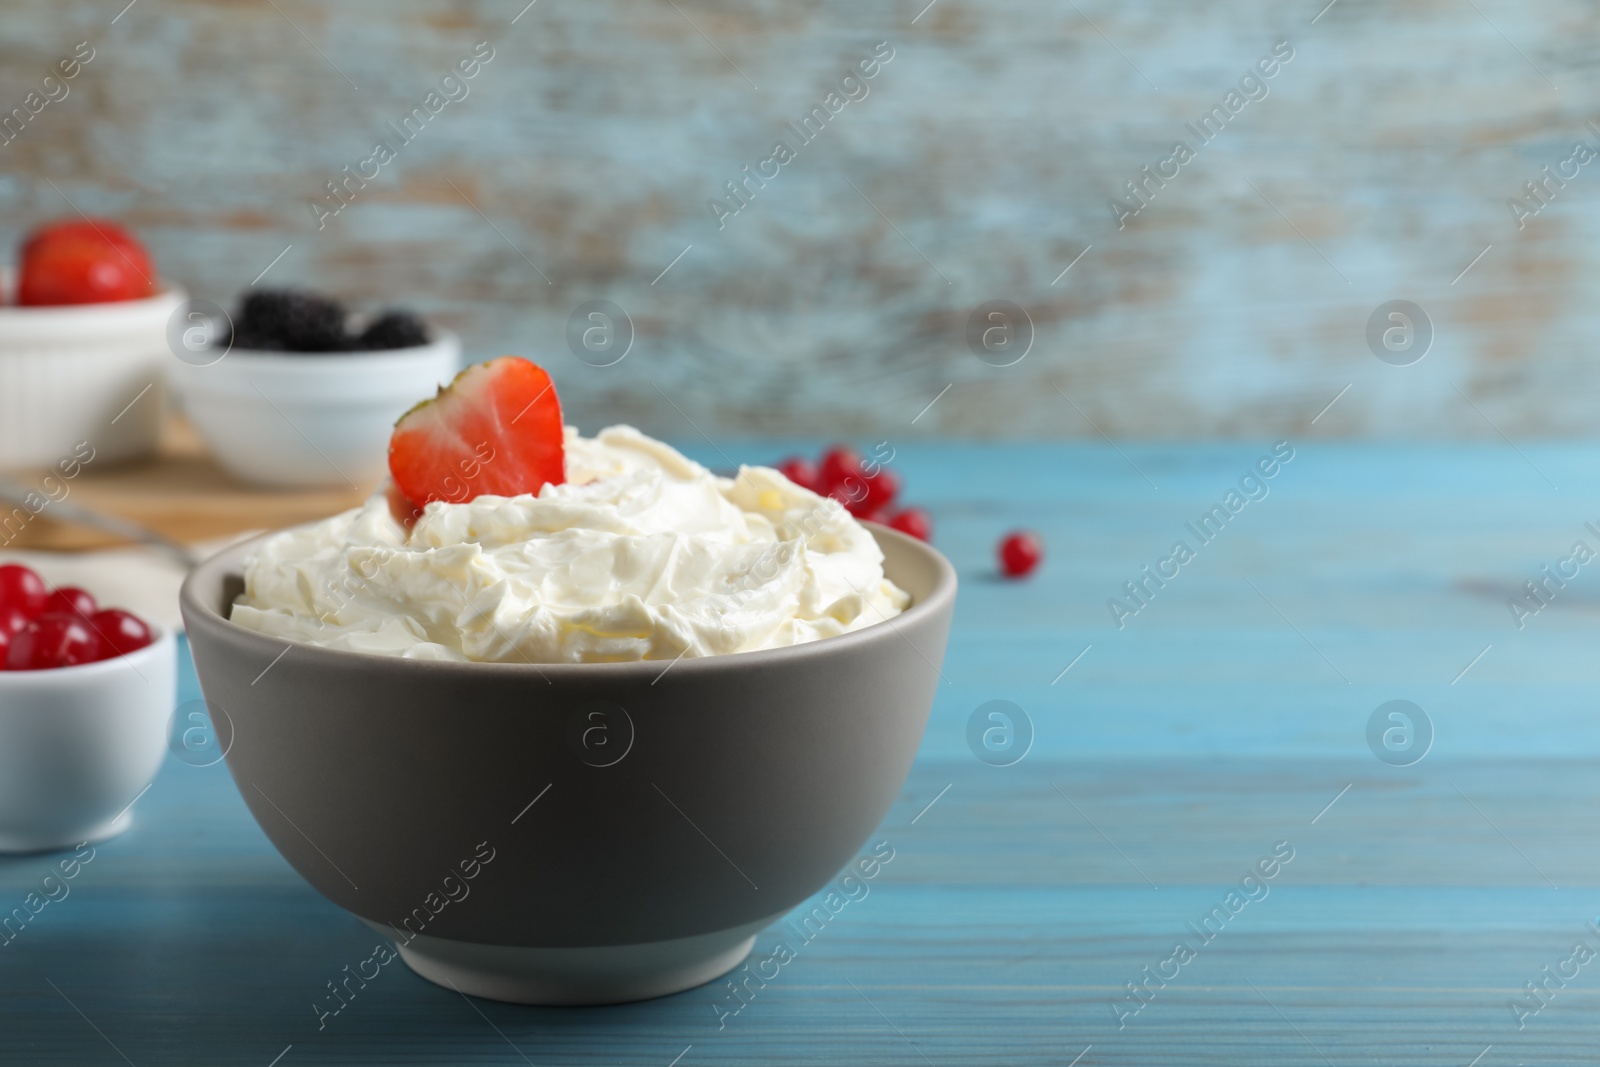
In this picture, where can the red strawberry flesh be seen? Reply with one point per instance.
(494, 431)
(85, 261)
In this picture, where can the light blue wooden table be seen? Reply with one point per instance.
(1229, 715)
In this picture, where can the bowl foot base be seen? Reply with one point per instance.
(612, 974)
(59, 842)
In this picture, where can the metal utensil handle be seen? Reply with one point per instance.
(79, 515)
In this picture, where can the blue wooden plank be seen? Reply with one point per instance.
(1171, 758)
(1393, 563)
(973, 954)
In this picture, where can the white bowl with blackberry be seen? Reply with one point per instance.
(301, 394)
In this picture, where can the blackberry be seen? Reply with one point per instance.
(395, 329)
(292, 321)
(248, 340)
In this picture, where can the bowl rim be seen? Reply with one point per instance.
(939, 599)
(100, 308)
(164, 636)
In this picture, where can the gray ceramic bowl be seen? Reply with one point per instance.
(572, 833)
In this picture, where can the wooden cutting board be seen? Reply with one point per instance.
(181, 493)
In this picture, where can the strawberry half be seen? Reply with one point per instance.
(495, 430)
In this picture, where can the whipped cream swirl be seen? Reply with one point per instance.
(641, 554)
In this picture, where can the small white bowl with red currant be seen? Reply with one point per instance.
(299, 392)
(83, 347)
(86, 701)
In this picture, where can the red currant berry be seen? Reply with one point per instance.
(852, 493)
(21, 587)
(1020, 553)
(800, 471)
(838, 463)
(70, 600)
(882, 488)
(913, 522)
(54, 640)
(119, 632)
(12, 622)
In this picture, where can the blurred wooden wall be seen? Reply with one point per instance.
(979, 165)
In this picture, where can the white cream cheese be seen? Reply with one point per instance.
(641, 554)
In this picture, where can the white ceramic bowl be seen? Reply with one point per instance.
(309, 419)
(83, 372)
(78, 744)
